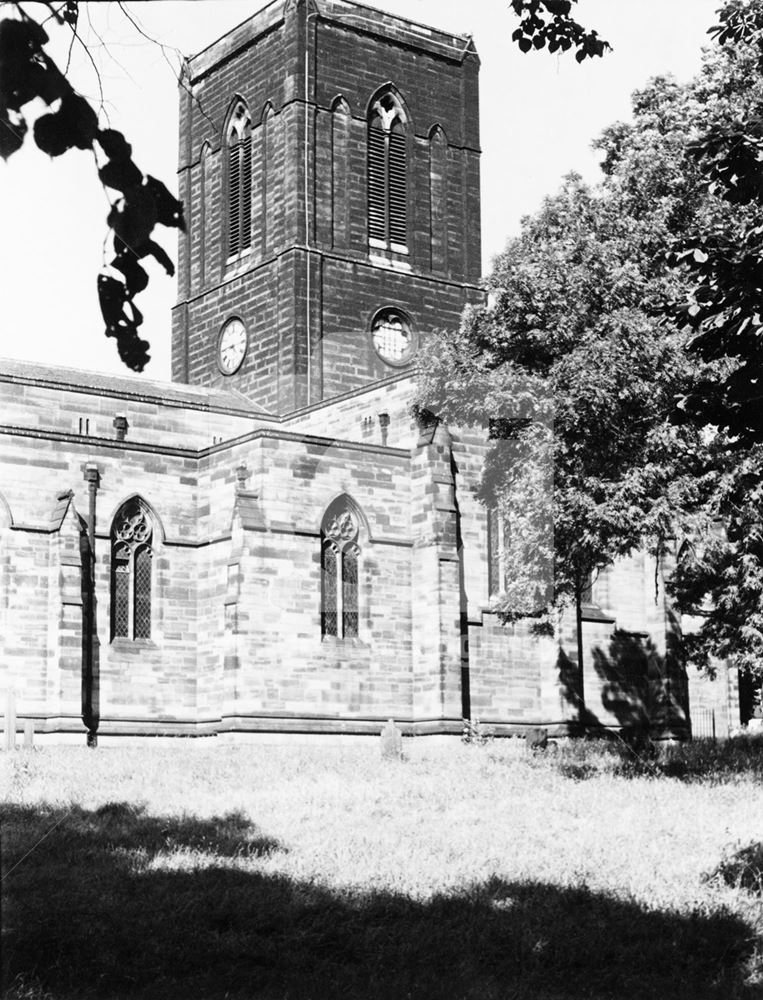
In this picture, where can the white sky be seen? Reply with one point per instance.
(539, 114)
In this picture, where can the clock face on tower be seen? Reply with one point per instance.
(231, 346)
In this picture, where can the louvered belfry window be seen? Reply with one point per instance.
(239, 142)
(131, 572)
(387, 174)
(340, 554)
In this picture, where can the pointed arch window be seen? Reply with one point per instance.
(239, 182)
(131, 572)
(387, 174)
(340, 555)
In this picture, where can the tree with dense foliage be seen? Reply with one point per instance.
(582, 313)
(720, 575)
(572, 370)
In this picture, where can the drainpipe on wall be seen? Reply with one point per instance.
(90, 711)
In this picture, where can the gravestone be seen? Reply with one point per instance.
(536, 739)
(391, 742)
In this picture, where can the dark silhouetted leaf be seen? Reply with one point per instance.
(114, 144)
(120, 174)
(560, 8)
(21, 39)
(111, 296)
(160, 255)
(169, 210)
(134, 219)
(52, 135)
(81, 120)
(122, 322)
(71, 12)
(136, 277)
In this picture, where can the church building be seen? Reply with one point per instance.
(270, 545)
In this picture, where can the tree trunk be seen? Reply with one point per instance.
(581, 677)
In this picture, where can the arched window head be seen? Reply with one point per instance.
(131, 571)
(340, 554)
(238, 140)
(387, 173)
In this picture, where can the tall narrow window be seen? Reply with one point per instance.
(131, 572)
(339, 571)
(387, 174)
(239, 143)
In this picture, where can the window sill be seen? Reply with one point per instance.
(390, 263)
(389, 248)
(125, 645)
(237, 263)
(593, 613)
(335, 641)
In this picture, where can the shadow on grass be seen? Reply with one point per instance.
(86, 915)
(743, 868)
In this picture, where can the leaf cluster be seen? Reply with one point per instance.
(724, 265)
(550, 24)
(27, 73)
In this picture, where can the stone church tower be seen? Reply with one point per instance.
(336, 212)
(270, 546)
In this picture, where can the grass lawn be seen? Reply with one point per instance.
(203, 871)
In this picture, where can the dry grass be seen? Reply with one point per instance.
(203, 871)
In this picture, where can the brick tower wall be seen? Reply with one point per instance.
(263, 62)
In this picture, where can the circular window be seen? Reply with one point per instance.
(392, 336)
(231, 346)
